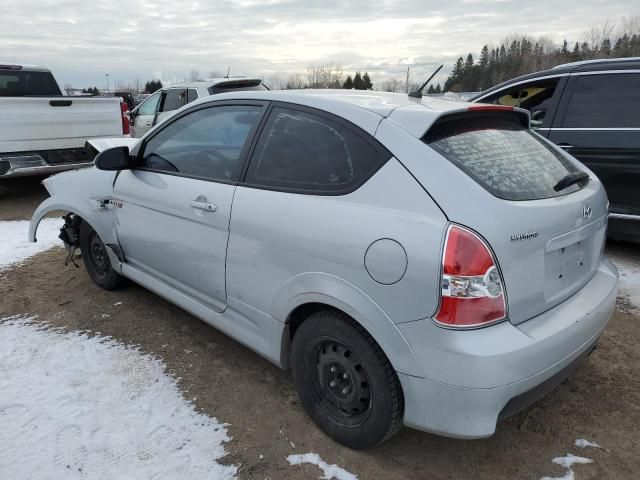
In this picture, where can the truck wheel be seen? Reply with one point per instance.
(345, 381)
(96, 259)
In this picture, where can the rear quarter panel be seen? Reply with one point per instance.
(277, 237)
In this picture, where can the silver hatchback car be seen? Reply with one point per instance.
(419, 262)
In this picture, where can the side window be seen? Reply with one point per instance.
(183, 97)
(149, 106)
(306, 152)
(173, 99)
(192, 94)
(535, 97)
(206, 143)
(604, 101)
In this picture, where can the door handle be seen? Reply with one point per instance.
(565, 146)
(208, 207)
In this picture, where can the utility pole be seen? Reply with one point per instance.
(406, 84)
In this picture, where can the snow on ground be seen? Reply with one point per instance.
(629, 287)
(74, 406)
(15, 244)
(567, 462)
(584, 443)
(570, 460)
(330, 471)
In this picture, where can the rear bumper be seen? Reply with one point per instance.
(23, 171)
(473, 378)
(43, 162)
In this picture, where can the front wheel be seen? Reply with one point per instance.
(345, 381)
(96, 259)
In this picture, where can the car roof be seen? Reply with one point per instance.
(598, 65)
(365, 108)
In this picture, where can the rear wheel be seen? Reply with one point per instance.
(345, 381)
(96, 259)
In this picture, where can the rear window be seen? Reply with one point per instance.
(504, 157)
(19, 83)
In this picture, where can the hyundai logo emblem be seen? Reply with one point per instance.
(586, 212)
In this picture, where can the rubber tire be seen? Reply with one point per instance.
(387, 403)
(112, 280)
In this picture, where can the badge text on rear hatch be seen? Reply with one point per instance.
(516, 237)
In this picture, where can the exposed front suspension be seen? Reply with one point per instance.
(70, 235)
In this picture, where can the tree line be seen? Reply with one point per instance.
(520, 54)
(152, 86)
(321, 76)
(91, 90)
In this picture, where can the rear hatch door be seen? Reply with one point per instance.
(489, 172)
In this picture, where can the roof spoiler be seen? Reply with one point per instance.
(510, 113)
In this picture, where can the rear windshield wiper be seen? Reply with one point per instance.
(571, 179)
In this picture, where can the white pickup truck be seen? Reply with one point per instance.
(42, 130)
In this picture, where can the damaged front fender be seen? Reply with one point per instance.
(87, 193)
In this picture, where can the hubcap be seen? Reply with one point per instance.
(341, 382)
(99, 256)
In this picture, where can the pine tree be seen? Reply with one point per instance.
(484, 57)
(458, 69)
(468, 64)
(357, 82)
(348, 83)
(366, 82)
(431, 89)
(575, 55)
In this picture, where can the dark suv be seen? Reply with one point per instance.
(592, 110)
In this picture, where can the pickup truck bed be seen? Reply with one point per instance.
(41, 134)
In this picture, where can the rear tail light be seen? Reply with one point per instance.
(472, 287)
(124, 110)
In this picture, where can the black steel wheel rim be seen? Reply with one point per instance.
(98, 255)
(340, 382)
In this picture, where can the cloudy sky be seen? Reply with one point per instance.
(82, 40)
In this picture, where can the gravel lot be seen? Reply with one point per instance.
(600, 402)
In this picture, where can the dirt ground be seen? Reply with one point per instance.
(600, 402)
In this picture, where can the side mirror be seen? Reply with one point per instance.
(116, 158)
